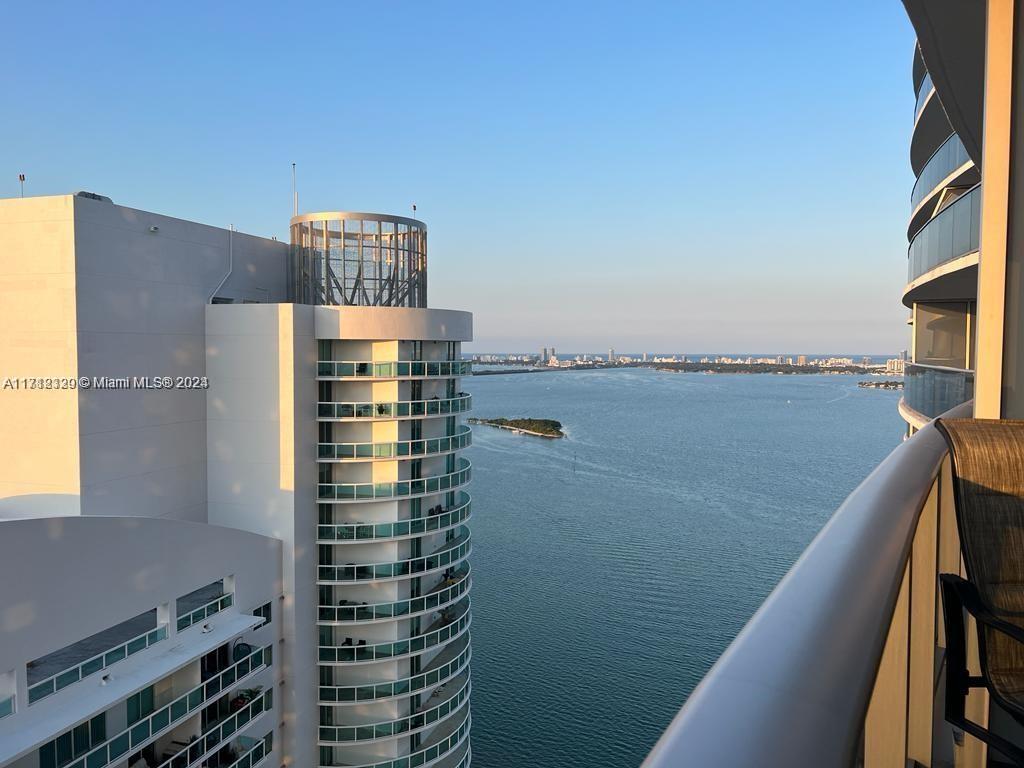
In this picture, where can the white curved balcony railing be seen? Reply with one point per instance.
(402, 449)
(952, 233)
(446, 744)
(388, 729)
(444, 594)
(333, 695)
(404, 409)
(396, 369)
(361, 532)
(451, 552)
(806, 680)
(349, 653)
(396, 489)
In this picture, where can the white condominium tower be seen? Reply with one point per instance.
(233, 511)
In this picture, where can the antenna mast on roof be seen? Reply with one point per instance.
(295, 194)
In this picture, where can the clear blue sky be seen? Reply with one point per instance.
(665, 176)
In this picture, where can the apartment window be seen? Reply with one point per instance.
(941, 335)
(324, 349)
(416, 430)
(450, 388)
(324, 389)
(326, 514)
(416, 390)
(417, 350)
(326, 430)
(449, 424)
(214, 662)
(451, 350)
(450, 463)
(140, 705)
(324, 473)
(73, 744)
(264, 612)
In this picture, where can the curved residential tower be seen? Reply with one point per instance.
(942, 277)
(392, 510)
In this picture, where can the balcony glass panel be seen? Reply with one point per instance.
(949, 235)
(932, 391)
(447, 592)
(947, 158)
(394, 369)
(922, 95)
(361, 491)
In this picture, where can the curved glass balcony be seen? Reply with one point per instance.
(453, 552)
(933, 390)
(444, 594)
(402, 528)
(399, 450)
(922, 96)
(947, 158)
(355, 694)
(398, 489)
(399, 410)
(383, 651)
(445, 745)
(399, 369)
(428, 714)
(953, 233)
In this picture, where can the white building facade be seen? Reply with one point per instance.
(288, 519)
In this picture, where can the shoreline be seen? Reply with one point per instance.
(517, 430)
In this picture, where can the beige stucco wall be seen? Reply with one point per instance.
(39, 455)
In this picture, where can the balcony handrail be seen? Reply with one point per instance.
(216, 605)
(60, 680)
(216, 735)
(939, 367)
(793, 687)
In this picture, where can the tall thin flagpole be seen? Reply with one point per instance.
(295, 194)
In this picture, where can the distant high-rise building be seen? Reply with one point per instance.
(645, 357)
(553, 353)
(801, 359)
(544, 354)
(611, 355)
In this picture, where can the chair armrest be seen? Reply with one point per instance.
(969, 598)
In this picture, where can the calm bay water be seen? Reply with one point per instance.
(613, 567)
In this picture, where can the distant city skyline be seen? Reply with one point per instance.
(633, 181)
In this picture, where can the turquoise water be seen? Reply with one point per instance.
(613, 567)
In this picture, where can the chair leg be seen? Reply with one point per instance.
(958, 677)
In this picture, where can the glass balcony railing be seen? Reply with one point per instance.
(381, 651)
(408, 724)
(141, 733)
(455, 551)
(91, 666)
(947, 158)
(400, 410)
(6, 707)
(922, 96)
(401, 369)
(396, 489)
(421, 525)
(441, 748)
(330, 694)
(222, 731)
(447, 592)
(253, 751)
(933, 390)
(203, 611)
(949, 235)
(403, 449)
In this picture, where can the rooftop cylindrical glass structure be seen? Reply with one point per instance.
(364, 259)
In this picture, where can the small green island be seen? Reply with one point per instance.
(538, 427)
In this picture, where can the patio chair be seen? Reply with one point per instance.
(988, 490)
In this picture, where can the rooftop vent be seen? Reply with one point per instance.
(93, 196)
